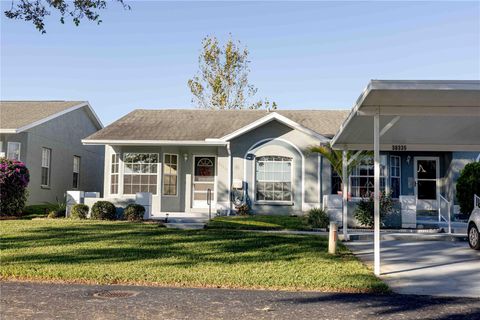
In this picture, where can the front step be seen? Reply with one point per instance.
(185, 226)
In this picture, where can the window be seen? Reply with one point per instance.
(13, 150)
(336, 181)
(362, 180)
(76, 171)
(114, 166)
(140, 173)
(46, 161)
(395, 168)
(170, 174)
(273, 178)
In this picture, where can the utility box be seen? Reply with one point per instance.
(74, 197)
(145, 199)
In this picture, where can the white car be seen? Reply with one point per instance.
(473, 227)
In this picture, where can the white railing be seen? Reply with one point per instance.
(476, 201)
(444, 210)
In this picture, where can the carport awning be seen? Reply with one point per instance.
(415, 116)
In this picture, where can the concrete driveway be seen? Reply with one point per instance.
(437, 268)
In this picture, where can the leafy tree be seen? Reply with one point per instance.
(468, 184)
(14, 178)
(222, 81)
(37, 10)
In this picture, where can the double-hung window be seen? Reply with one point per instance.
(140, 172)
(170, 174)
(273, 179)
(13, 150)
(76, 172)
(114, 166)
(395, 168)
(46, 163)
(362, 177)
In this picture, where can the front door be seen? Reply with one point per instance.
(203, 182)
(426, 173)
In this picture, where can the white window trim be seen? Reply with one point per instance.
(124, 173)
(273, 202)
(177, 175)
(49, 168)
(19, 148)
(399, 176)
(77, 172)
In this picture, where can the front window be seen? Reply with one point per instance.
(114, 172)
(46, 161)
(395, 168)
(273, 178)
(362, 177)
(336, 182)
(170, 167)
(13, 150)
(140, 173)
(76, 171)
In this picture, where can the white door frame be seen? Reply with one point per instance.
(427, 204)
(214, 191)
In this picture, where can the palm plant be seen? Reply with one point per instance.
(335, 157)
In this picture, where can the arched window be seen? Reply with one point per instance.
(273, 178)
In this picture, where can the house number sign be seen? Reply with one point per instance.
(399, 147)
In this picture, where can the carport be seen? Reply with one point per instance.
(409, 116)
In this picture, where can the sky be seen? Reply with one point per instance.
(304, 55)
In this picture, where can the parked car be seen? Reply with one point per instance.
(473, 227)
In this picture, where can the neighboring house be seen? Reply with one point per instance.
(258, 156)
(47, 135)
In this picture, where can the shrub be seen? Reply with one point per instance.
(14, 178)
(318, 218)
(79, 211)
(103, 210)
(243, 209)
(55, 214)
(468, 184)
(134, 212)
(365, 210)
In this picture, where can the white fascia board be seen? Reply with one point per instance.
(58, 114)
(8, 131)
(413, 147)
(273, 116)
(154, 142)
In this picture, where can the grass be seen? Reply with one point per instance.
(259, 222)
(141, 253)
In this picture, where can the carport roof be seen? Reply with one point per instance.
(420, 115)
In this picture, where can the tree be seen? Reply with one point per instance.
(222, 81)
(14, 178)
(468, 184)
(37, 10)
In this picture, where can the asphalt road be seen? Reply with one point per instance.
(66, 301)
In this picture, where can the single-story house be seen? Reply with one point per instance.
(46, 136)
(187, 157)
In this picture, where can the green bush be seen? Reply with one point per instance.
(14, 178)
(79, 211)
(318, 218)
(243, 209)
(365, 209)
(468, 184)
(103, 210)
(134, 212)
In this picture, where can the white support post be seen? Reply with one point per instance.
(345, 195)
(376, 216)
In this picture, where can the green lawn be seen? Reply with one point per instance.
(37, 211)
(259, 222)
(141, 253)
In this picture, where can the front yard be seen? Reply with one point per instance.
(142, 253)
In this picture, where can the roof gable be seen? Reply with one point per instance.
(18, 116)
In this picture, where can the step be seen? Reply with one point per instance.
(410, 237)
(185, 226)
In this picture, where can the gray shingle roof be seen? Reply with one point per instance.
(17, 114)
(198, 125)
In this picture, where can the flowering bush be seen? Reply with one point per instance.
(14, 178)
(365, 210)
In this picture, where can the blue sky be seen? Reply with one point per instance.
(304, 55)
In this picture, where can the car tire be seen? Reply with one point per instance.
(473, 237)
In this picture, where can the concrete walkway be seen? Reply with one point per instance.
(439, 268)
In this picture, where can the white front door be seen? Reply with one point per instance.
(203, 184)
(427, 188)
